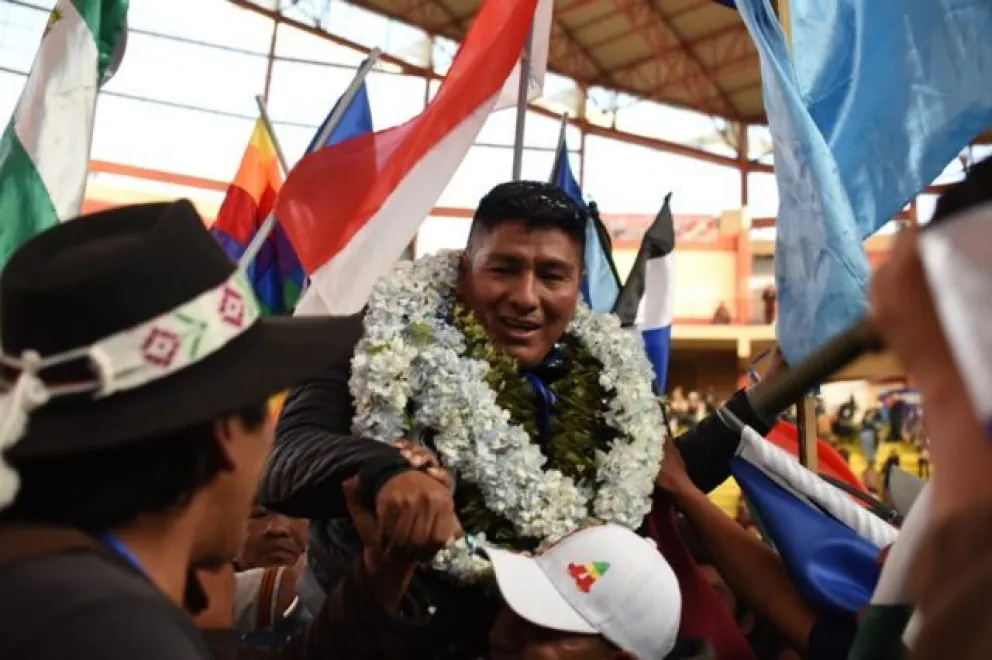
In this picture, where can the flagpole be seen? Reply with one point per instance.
(332, 123)
(559, 154)
(263, 114)
(523, 90)
(806, 406)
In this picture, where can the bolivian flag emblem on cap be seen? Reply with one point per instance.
(586, 575)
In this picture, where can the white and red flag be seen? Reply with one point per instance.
(351, 209)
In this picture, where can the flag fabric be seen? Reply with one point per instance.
(600, 284)
(866, 116)
(276, 274)
(356, 120)
(885, 632)
(45, 149)
(957, 258)
(540, 42)
(898, 89)
(349, 225)
(658, 242)
(648, 297)
(829, 544)
(821, 269)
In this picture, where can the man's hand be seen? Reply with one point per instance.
(416, 515)
(422, 458)
(363, 519)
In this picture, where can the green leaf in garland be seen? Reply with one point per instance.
(420, 333)
(579, 437)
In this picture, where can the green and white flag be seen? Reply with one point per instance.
(886, 631)
(45, 149)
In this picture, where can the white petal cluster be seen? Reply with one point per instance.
(411, 353)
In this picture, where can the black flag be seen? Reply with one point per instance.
(658, 241)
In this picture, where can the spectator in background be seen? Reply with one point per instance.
(897, 413)
(709, 400)
(844, 424)
(870, 478)
(722, 314)
(768, 299)
(870, 426)
(923, 462)
(891, 462)
(695, 411)
(271, 539)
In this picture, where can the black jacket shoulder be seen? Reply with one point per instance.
(315, 450)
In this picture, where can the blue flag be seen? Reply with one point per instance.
(357, 120)
(600, 285)
(898, 88)
(833, 567)
(872, 111)
(821, 269)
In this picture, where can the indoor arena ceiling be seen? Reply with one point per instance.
(689, 53)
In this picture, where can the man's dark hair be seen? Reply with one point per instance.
(538, 205)
(104, 489)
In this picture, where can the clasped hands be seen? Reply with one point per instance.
(415, 511)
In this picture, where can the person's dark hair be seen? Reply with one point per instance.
(104, 489)
(975, 189)
(538, 205)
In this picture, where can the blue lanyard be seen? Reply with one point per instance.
(115, 544)
(546, 402)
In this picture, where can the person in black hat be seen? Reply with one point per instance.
(133, 429)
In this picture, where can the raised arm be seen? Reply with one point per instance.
(315, 451)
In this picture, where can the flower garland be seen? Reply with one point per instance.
(418, 367)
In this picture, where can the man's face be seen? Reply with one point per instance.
(231, 496)
(513, 638)
(523, 285)
(272, 539)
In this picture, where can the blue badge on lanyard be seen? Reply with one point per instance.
(116, 545)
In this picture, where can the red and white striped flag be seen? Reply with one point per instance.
(352, 208)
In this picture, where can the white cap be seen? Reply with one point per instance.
(602, 580)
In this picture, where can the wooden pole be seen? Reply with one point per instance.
(785, 18)
(806, 406)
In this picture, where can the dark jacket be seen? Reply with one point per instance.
(63, 595)
(315, 452)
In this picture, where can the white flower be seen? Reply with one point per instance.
(411, 353)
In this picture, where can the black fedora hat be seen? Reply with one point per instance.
(143, 326)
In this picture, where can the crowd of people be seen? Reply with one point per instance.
(475, 466)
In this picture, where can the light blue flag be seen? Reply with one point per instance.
(600, 286)
(897, 88)
(821, 269)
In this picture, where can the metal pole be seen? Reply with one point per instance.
(332, 122)
(263, 114)
(559, 154)
(522, 92)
